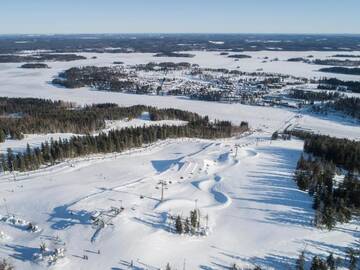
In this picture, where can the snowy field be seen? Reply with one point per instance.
(257, 215)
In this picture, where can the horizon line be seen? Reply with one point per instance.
(176, 33)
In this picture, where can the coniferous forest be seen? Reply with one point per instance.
(36, 115)
(333, 201)
(29, 116)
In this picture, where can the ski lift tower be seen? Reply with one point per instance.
(163, 185)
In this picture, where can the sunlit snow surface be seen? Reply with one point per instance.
(257, 215)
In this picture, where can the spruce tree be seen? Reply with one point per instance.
(178, 225)
(300, 262)
(318, 264)
(330, 260)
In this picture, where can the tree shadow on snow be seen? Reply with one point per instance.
(62, 217)
(156, 221)
(270, 188)
(270, 261)
(22, 253)
(164, 165)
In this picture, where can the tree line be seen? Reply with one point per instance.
(334, 84)
(330, 262)
(313, 96)
(30, 116)
(348, 105)
(332, 201)
(344, 153)
(55, 151)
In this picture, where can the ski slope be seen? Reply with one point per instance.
(257, 215)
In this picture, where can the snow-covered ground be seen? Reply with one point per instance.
(17, 82)
(256, 213)
(35, 140)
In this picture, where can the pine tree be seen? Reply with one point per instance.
(4, 164)
(187, 226)
(330, 260)
(300, 262)
(2, 136)
(318, 264)
(11, 160)
(329, 218)
(353, 259)
(194, 218)
(178, 225)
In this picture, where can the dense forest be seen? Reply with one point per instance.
(337, 62)
(326, 62)
(344, 153)
(34, 65)
(239, 56)
(341, 70)
(115, 79)
(333, 201)
(346, 55)
(174, 54)
(101, 78)
(29, 115)
(347, 105)
(335, 84)
(350, 106)
(312, 96)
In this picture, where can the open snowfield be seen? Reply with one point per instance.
(257, 215)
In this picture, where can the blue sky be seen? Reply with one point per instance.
(179, 16)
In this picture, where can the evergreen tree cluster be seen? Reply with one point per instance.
(114, 141)
(312, 96)
(29, 115)
(347, 105)
(334, 84)
(101, 78)
(330, 262)
(344, 153)
(333, 202)
(189, 225)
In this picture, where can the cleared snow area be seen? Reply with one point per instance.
(34, 140)
(143, 121)
(256, 213)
